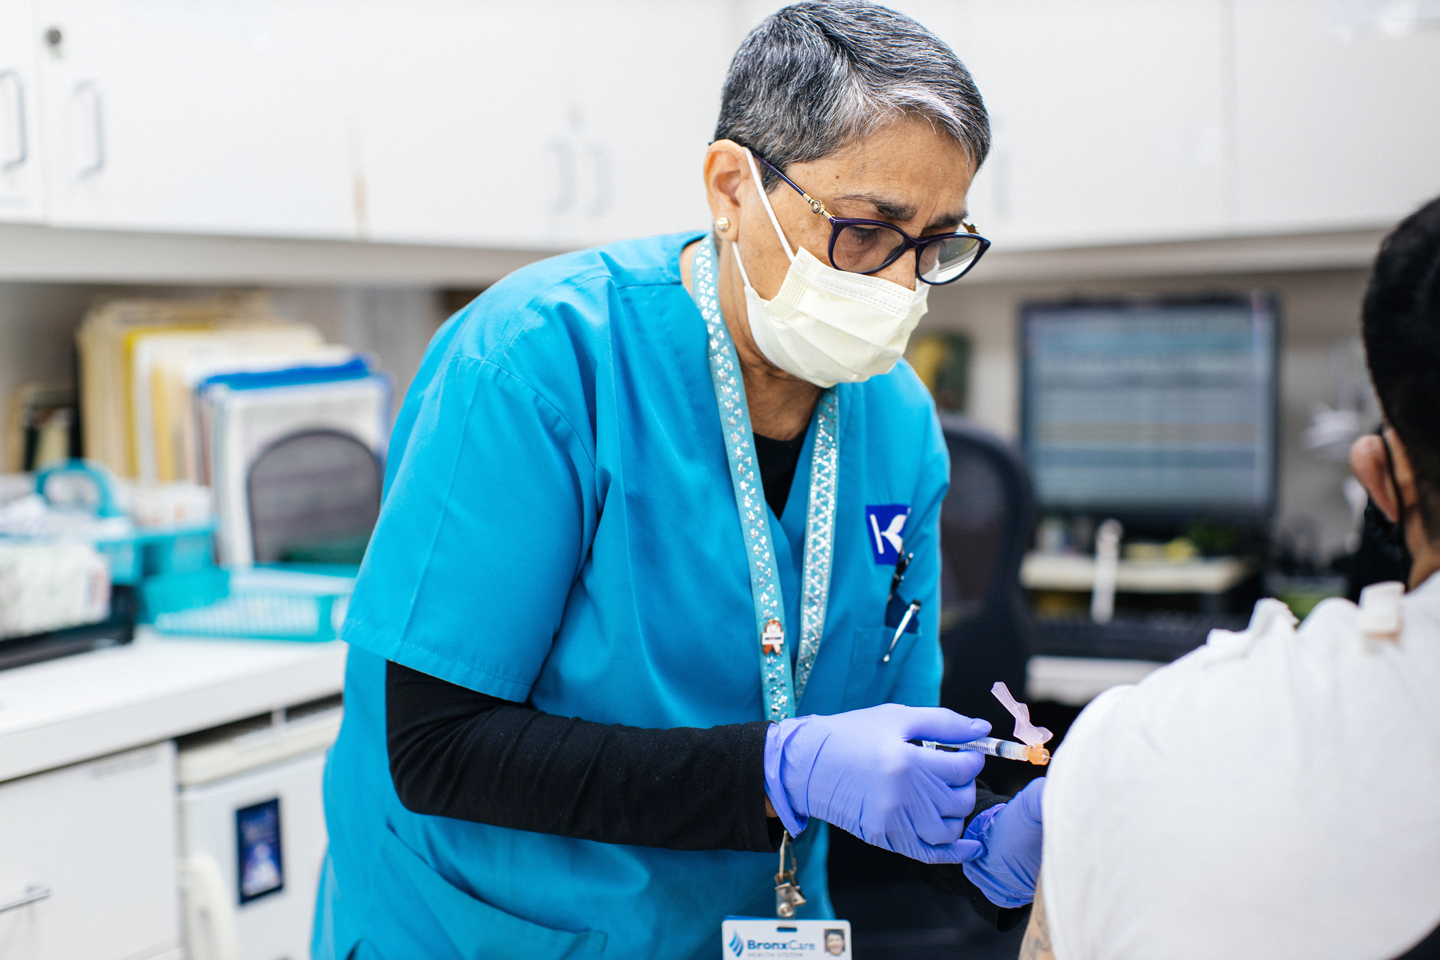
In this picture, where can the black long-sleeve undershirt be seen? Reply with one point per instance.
(777, 460)
(458, 753)
(455, 752)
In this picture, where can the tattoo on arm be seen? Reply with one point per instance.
(1036, 945)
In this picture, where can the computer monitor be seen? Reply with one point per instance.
(1155, 412)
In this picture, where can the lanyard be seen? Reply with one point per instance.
(779, 693)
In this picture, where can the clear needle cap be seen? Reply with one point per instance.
(1025, 731)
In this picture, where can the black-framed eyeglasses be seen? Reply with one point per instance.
(869, 246)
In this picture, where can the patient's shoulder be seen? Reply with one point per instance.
(1271, 678)
(1227, 785)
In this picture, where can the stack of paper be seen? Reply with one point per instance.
(106, 342)
(167, 368)
(204, 392)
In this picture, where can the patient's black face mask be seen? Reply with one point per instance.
(1391, 533)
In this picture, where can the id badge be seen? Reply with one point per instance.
(746, 938)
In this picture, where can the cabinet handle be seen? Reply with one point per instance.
(604, 177)
(22, 149)
(565, 197)
(32, 894)
(209, 911)
(90, 87)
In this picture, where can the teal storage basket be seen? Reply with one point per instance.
(124, 556)
(177, 549)
(263, 603)
(145, 551)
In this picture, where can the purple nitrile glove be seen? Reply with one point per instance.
(1011, 834)
(857, 771)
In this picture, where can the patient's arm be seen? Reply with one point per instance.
(1036, 945)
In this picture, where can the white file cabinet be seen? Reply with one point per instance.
(87, 861)
(252, 838)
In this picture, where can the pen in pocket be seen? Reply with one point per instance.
(910, 612)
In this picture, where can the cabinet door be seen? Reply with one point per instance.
(548, 125)
(1108, 119)
(644, 79)
(213, 822)
(1338, 123)
(94, 845)
(214, 118)
(465, 136)
(20, 166)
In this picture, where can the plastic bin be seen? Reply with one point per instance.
(124, 555)
(150, 552)
(144, 551)
(177, 549)
(261, 603)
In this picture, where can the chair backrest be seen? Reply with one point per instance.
(985, 526)
(314, 495)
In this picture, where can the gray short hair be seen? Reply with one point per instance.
(817, 76)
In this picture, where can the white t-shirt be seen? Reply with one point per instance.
(1274, 794)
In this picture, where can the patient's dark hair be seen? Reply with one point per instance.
(1402, 341)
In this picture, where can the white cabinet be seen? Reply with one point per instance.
(556, 123)
(463, 135)
(21, 187)
(645, 78)
(1338, 125)
(92, 848)
(215, 117)
(252, 848)
(1108, 116)
(1122, 121)
(563, 123)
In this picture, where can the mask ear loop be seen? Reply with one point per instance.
(765, 202)
(1405, 556)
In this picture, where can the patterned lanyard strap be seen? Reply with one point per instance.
(779, 693)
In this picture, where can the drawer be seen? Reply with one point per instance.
(93, 848)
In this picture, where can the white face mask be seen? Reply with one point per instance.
(825, 325)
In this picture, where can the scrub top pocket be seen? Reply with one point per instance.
(871, 679)
(448, 917)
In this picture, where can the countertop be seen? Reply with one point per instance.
(1209, 575)
(73, 709)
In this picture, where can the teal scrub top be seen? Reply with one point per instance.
(559, 529)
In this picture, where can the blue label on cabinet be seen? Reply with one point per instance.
(257, 834)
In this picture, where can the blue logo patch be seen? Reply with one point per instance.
(885, 524)
(736, 944)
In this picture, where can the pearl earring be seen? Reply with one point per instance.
(722, 224)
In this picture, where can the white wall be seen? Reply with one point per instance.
(394, 323)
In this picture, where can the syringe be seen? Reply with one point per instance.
(995, 748)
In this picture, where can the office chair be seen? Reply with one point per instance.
(314, 496)
(985, 527)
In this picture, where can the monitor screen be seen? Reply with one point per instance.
(1151, 409)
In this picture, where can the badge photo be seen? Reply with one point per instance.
(746, 938)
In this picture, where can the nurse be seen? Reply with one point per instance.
(653, 596)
